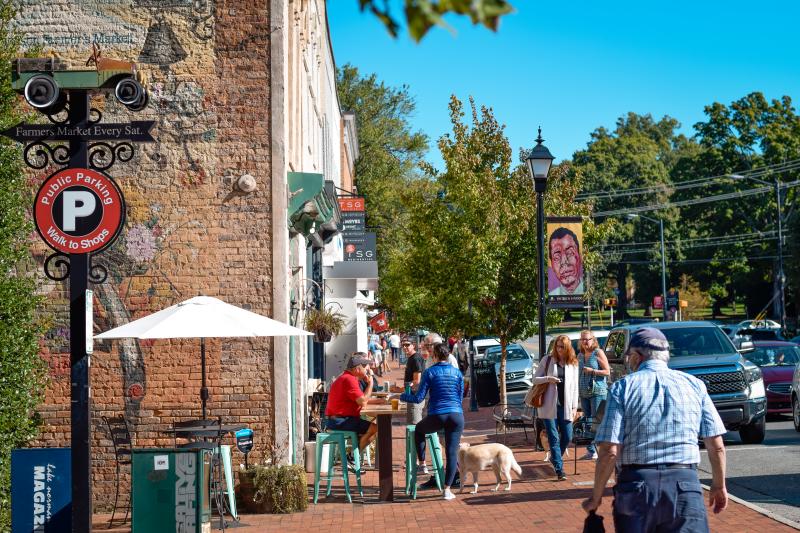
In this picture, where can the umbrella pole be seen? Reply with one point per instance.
(203, 389)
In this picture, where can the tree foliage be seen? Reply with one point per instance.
(470, 264)
(422, 15)
(390, 151)
(749, 134)
(21, 368)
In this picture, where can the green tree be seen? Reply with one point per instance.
(422, 15)
(471, 260)
(390, 154)
(749, 134)
(21, 368)
(637, 154)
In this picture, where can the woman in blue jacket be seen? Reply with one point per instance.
(446, 386)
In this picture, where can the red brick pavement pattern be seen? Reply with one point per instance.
(536, 501)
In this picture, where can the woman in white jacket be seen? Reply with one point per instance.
(560, 370)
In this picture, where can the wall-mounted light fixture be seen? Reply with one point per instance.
(247, 184)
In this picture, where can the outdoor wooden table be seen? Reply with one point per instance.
(384, 413)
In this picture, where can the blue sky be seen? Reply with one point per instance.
(574, 66)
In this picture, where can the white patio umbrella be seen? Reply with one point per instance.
(202, 317)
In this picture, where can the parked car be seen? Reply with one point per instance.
(634, 321)
(796, 340)
(478, 345)
(575, 339)
(777, 361)
(796, 398)
(519, 366)
(760, 324)
(736, 385)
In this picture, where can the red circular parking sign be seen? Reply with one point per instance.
(79, 211)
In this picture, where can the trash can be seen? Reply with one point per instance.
(41, 490)
(171, 490)
(486, 390)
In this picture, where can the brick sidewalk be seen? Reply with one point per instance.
(536, 501)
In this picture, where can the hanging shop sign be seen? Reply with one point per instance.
(352, 203)
(79, 211)
(361, 247)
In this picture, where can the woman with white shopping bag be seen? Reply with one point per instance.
(557, 374)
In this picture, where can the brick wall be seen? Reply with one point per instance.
(188, 231)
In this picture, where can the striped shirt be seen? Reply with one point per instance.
(657, 415)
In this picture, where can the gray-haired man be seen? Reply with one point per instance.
(652, 423)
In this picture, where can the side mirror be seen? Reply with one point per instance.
(746, 347)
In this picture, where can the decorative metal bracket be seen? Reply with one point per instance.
(59, 261)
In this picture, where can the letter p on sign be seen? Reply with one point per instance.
(76, 204)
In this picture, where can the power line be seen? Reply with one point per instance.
(743, 236)
(694, 201)
(710, 260)
(689, 184)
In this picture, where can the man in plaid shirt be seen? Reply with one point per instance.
(653, 421)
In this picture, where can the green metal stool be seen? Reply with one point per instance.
(334, 438)
(435, 451)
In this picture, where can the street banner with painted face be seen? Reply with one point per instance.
(565, 284)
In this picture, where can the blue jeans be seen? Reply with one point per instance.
(653, 499)
(453, 426)
(589, 407)
(558, 443)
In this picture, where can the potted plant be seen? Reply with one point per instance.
(273, 488)
(324, 324)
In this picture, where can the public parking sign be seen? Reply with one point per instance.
(79, 211)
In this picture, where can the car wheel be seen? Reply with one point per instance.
(796, 413)
(754, 433)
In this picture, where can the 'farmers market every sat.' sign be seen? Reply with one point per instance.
(78, 211)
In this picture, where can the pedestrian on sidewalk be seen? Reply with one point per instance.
(375, 352)
(653, 421)
(413, 373)
(394, 344)
(446, 385)
(593, 369)
(560, 370)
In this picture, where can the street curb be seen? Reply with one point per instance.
(761, 510)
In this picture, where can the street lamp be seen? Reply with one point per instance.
(539, 160)
(660, 222)
(777, 186)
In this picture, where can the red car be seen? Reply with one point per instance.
(777, 361)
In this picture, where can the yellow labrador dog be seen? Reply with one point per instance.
(473, 459)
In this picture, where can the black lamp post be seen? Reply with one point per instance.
(539, 160)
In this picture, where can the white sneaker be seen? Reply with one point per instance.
(590, 455)
(424, 468)
(448, 495)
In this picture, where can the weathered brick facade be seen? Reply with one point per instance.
(188, 231)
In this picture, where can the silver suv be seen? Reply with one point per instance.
(701, 349)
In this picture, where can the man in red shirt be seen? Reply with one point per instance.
(345, 400)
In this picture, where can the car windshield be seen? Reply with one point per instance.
(512, 353)
(685, 341)
(774, 355)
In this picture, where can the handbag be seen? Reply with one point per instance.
(535, 395)
(593, 523)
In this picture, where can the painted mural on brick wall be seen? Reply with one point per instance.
(172, 41)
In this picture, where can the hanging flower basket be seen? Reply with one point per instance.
(324, 324)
